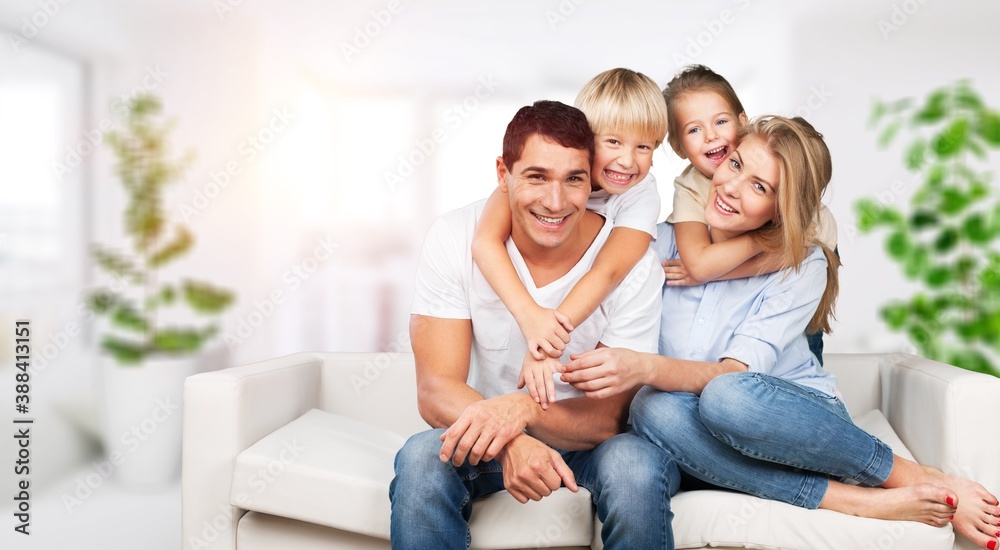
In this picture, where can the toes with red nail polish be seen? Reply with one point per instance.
(992, 545)
(950, 501)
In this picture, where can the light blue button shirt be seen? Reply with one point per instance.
(759, 321)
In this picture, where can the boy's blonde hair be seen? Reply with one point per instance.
(696, 78)
(623, 99)
(804, 171)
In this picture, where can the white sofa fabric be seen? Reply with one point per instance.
(297, 453)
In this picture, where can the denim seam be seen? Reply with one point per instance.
(477, 472)
(468, 531)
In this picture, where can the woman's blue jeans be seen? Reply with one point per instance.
(631, 482)
(762, 435)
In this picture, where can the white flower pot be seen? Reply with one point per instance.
(142, 416)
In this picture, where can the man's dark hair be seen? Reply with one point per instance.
(552, 120)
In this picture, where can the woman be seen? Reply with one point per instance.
(736, 397)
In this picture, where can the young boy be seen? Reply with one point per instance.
(628, 115)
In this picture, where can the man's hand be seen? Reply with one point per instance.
(604, 372)
(485, 427)
(677, 274)
(546, 331)
(537, 375)
(532, 469)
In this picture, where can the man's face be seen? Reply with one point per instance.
(548, 189)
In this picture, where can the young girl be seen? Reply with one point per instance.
(629, 118)
(705, 117)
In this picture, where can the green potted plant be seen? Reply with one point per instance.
(947, 239)
(145, 358)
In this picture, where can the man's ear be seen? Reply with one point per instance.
(502, 174)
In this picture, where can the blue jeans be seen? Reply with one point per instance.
(631, 482)
(762, 435)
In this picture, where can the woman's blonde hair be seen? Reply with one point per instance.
(805, 169)
(623, 99)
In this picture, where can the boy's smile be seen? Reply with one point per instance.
(621, 160)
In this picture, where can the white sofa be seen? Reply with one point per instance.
(296, 453)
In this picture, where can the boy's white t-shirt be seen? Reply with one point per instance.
(691, 190)
(449, 285)
(638, 208)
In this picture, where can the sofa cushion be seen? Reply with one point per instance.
(331, 470)
(722, 518)
(320, 468)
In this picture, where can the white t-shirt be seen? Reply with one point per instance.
(638, 208)
(450, 286)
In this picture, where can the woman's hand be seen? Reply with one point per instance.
(677, 274)
(546, 331)
(604, 372)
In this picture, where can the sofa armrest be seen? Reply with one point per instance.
(224, 413)
(945, 415)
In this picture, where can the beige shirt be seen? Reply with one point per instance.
(691, 198)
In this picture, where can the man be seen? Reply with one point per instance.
(487, 436)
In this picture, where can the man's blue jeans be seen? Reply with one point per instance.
(631, 482)
(762, 435)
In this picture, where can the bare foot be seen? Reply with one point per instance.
(925, 502)
(978, 514)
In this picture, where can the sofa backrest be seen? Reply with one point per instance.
(381, 388)
(377, 388)
(857, 379)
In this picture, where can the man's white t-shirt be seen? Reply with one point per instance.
(638, 208)
(450, 286)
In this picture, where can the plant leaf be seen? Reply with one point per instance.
(946, 240)
(953, 201)
(125, 316)
(923, 219)
(179, 340)
(102, 301)
(967, 97)
(114, 262)
(124, 351)
(182, 242)
(878, 111)
(205, 298)
(898, 245)
(917, 262)
(889, 132)
(989, 127)
(934, 110)
(915, 155)
(949, 142)
(938, 276)
(895, 315)
(976, 230)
